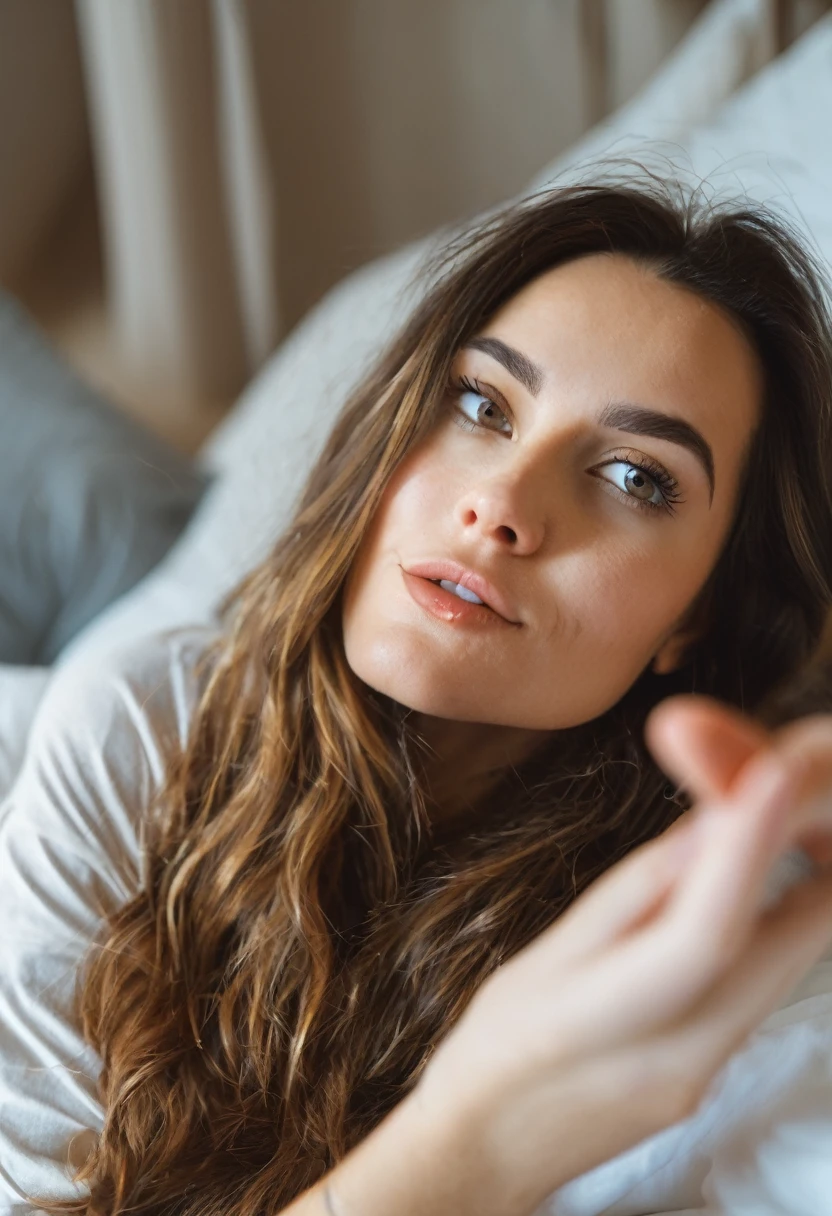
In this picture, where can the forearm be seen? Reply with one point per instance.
(415, 1164)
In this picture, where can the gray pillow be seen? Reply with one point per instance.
(89, 500)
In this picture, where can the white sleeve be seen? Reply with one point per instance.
(69, 855)
(21, 690)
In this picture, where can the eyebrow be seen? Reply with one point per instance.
(618, 416)
(524, 369)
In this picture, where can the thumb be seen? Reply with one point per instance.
(702, 744)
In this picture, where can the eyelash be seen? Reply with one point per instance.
(658, 474)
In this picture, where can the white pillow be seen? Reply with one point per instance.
(264, 450)
(21, 689)
(730, 43)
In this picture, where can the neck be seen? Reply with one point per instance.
(464, 759)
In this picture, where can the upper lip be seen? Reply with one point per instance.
(456, 573)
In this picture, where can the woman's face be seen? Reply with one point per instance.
(586, 465)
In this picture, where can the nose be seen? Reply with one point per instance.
(500, 511)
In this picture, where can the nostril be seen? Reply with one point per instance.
(510, 534)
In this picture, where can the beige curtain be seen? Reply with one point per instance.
(43, 133)
(377, 119)
(188, 208)
(184, 155)
(248, 153)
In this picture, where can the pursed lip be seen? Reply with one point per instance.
(490, 595)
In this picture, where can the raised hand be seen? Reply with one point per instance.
(614, 1022)
(705, 745)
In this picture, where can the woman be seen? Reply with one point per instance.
(590, 473)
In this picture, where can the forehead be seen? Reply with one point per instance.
(605, 328)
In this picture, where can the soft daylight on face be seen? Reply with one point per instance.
(598, 579)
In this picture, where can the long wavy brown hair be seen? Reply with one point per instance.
(305, 935)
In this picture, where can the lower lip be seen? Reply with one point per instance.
(446, 606)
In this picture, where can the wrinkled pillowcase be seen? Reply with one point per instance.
(89, 500)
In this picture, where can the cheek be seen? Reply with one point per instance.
(409, 518)
(423, 482)
(415, 505)
(622, 602)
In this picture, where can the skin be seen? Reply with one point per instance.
(602, 586)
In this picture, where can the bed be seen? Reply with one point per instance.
(724, 109)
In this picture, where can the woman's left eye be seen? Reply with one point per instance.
(648, 489)
(474, 410)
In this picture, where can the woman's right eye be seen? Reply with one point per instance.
(474, 410)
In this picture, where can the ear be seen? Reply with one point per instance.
(672, 652)
(687, 631)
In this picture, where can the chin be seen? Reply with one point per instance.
(409, 679)
(411, 685)
(405, 668)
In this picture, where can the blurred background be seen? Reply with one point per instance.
(180, 180)
(211, 215)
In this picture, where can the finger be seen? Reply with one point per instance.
(741, 837)
(708, 914)
(788, 942)
(702, 743)
(806, 745)
(699, 921)
(716, 737)
(623, 897)
(687, 1056)
(627, 894)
